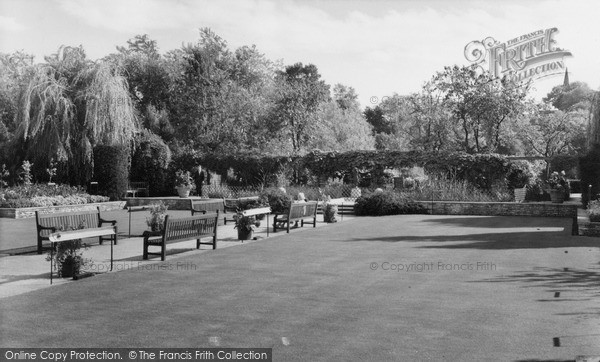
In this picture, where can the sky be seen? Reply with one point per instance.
(378, 47)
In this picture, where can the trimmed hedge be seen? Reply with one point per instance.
(386, 203)
(367, 168)
(589, 167)
(150, 163)
(111, 164)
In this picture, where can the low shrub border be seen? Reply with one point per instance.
(29, 212)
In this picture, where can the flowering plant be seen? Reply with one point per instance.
(158, 212)
(247, 223)
(183, 178)
(557, 181)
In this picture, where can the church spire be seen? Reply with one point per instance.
(566, 81)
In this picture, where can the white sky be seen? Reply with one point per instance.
(379, 47)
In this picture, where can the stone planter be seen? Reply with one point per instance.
(557, 196)
(183, 191)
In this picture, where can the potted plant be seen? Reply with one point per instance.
(158, 212)
(245, 226)
(330, 211)
(556, 187)
(184, 183)
(68, 257)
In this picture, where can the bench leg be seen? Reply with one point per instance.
(288, 226)
(215, 242)
(197, 243)
(145, 255)
(302, 223)
(163, 251)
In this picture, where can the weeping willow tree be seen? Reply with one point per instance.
(69, 105)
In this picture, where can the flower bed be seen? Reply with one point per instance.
(46, 195)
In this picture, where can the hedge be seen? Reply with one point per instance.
(482, 170)
(589, 167)
(111, 168)
(150, 163)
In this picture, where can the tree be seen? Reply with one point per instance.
(299, 93)
(345, 97)
(342, 129)
(576, 95)
(480, 103)
(149, 82)
(220, 99)
(552, 132)
(69, 105)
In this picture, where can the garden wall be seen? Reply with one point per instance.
(589, 229)
(539, 209)
(29, 212)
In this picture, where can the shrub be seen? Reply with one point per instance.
(589, 166)
(520, 174)
(593, 210)
(386, 203)
(38, 195)
(278, 200)
(150, 162)
(111, 170)
(450, 188)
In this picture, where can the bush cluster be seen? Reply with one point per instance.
(278, 200)
(38, 195)
(593, 210)
(381, 203)
(111, 170)
(589, 167)
(150, 163)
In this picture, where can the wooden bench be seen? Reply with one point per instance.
(182, 229)
(207, 206)
(297, 212)
(47, 224)
(135, 188)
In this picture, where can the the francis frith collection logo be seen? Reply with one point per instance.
(528, 57)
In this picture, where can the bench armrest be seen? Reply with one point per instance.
(41, 227)
(112, 222)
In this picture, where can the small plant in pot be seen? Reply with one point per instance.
(184, 183)
(557, 187)
(245, 226)
(156, 220)
(68, 258)
(330, 211)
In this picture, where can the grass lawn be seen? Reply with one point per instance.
(415, 287)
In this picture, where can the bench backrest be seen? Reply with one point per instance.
(190, 227)
(207, 205)
(303, 209)
(68, 220)
(138, 185)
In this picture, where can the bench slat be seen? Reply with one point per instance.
(81, 234)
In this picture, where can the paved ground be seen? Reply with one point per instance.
(415, 287)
